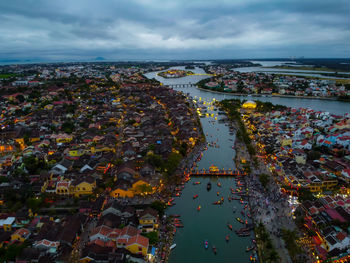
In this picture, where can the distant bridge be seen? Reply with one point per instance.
(201, 74)
(219, 172)
(189, 85)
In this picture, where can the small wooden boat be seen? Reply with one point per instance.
(206, 244)
(217, 203)
(196, 183)
(219, 184)
(172, 246)
(195, 196)
(179, 225)
(176, 215)
(199, 208)
(227, 238)
(239, 220)
(214, 250)
(208, 186)
(249, 248)
(217, 193)
(229, 226)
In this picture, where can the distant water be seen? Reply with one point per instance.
(335, 107)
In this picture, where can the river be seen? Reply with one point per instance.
(210, 223)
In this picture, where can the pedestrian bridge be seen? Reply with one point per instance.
(214, 172)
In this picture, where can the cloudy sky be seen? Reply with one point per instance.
(173, 29)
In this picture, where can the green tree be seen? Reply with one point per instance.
(20, 98)
(264, 179)
(159, 206)
(152, 237)
(68, 127)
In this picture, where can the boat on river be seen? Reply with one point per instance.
(217, 203)
(214, 250)
(217, 193)
(199, 208)
(219, 184)
(209, 186)
(240, 220)
(229, 226)
(227, 238)
(172, 246)
(196, 183)
(206, 244)
(195, 196)
(179, 225)
(249, 248)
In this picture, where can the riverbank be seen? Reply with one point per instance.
(262, 95)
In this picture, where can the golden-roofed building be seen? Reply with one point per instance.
(249, 105)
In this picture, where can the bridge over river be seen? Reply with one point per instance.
(215, 172)
(189, 85)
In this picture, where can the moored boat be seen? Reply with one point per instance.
(206, 244)
(208, 186)
(214, 250)
(172, 246)
(249, 248)
(195, 196)
(199, 208)
(240, 220)
(229, 226)
(227, 238)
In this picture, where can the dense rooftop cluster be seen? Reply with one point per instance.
(308, 152)
(266, 84)
(78, 139)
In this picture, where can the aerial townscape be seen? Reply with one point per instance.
(166, 131)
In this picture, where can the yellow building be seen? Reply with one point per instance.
(20, 235)
(76, 152)
(148, 220)
(82, 187)
(120, 192)
(98, 149)
(63, 138)
(286, 142)
(249, 105)
(141, 186)
(137, 245)
(325, 185)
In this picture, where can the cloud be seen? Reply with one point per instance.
(145, 29)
